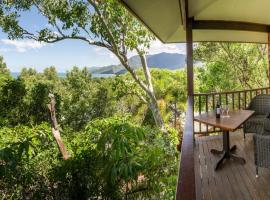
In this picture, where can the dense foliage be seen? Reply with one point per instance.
(231, 66)
(112, 158)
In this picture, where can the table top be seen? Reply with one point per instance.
(236, 119)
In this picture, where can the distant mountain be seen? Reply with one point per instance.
(167, 60)
(170, 61)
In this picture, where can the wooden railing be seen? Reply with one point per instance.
(186, 176)
(204, 102)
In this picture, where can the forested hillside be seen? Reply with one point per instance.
(170, 61)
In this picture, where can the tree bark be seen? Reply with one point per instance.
(55, 131)
(153, 101)
(156, 114)
(175, 114)
(147, 86)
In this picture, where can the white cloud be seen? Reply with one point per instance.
(158, 47)
(104, 52)
(23, 45)
(2, 50)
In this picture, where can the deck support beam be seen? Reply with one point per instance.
(186, 189)
(230, 25)
(269, 58)
(189, 51)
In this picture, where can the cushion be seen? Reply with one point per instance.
(260, 104)
(255, 124)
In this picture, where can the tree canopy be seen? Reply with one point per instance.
(231, 66)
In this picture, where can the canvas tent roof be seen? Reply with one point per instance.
(165, 19)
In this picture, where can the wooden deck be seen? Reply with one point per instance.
(233, 180)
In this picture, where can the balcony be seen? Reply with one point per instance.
(233, 180)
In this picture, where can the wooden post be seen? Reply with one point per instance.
(189, 50)
(269, 58)
(186, 189)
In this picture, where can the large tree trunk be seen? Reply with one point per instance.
(156, 114)
(153, 101)
(146, 86)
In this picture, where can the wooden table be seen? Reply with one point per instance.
(227, 124)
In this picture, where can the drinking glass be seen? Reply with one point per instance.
(221, 111)
(227, 108)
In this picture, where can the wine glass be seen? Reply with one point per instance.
(221, 110)
(227, 108)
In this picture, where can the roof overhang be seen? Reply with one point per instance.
(212, 20)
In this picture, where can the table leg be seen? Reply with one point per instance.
(238, 159)
(220, 161)
(227, 152)
(226, 142)
(233, 148)
(217, 152)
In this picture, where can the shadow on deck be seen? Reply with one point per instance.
(233, 180)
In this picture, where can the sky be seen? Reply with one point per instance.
(64, 54)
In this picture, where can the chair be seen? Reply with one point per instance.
(261, 105)
(262, 146)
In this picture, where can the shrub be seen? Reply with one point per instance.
(112, 158)
(26, 156)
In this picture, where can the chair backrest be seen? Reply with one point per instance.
(260, 104)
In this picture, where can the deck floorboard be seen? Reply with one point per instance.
(232, 180)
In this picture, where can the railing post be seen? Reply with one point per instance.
(269, 58)
(189, 49)
(186, 178)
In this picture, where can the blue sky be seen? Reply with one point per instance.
(63, 55)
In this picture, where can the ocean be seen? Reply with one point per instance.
(62, 74)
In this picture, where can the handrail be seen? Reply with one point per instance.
(236, 91)
(186, 177)
(204, 102)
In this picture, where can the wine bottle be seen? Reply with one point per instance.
(218, 110)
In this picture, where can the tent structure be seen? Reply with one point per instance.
(189, 21)
(213, 20)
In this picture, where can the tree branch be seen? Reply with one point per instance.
(139, 96)
(133, 74)
(103, 21)
(146, 71)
